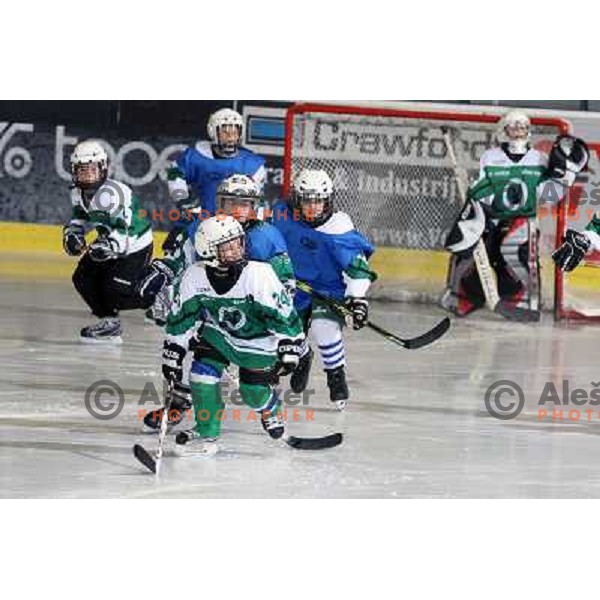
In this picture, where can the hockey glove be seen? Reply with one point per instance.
(73, 240)
(575, 246)
(359, 307)
(157, 277)
(103, 249)
(568, 157)
(288, 354)
(174, 240)
(172, 361)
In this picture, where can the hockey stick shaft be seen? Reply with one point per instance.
(411, 344)
(151, 463)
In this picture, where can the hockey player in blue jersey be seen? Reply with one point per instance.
(237, 196)
(329, 254)
(193, 178)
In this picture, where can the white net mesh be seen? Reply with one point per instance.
(393, 176)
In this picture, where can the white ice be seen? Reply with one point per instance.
(416, 425)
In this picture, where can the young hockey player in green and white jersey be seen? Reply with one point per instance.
(111, 267)
(229, 310)
(237, 196)
(514, 177)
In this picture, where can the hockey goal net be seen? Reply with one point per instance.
(393, 176)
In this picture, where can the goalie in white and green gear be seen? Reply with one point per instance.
(514, 178)
(230, 311)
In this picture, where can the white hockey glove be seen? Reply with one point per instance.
(467, 229)
(73, 239)
(575, 246)
(103, 249)
(568, 157)
(359, 307)
(288, 354)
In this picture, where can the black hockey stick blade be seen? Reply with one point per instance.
(514, 313)
(328, 441)
(419, 341)
(144, 457)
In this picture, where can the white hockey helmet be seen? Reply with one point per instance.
(225, 117)
(236, 192)
(516, 131)
(89, 164)
(212, 234)
(310, 185)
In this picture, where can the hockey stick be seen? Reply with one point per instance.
(409, 343)
(153, 464)
(300, 443)
(481, 258)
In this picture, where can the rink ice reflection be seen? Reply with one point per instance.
(417, 425)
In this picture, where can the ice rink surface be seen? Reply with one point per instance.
(416, 427)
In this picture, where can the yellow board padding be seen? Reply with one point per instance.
(38, 237)
(34, 250)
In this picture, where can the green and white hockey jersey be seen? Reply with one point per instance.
(244, 324)
(512, 189)
(114, 212)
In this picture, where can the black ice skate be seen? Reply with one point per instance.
(190, 442)
(338, 388)
(300, 376)
(106, 331)
(273, 423)
(180, 404)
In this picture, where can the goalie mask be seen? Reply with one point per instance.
(467, 230)
(515, 131)
(225, 131)
(89, 165)
(238, 196)
(312, 196)
(219, 243)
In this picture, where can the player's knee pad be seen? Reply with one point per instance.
(328, 335)
(205, 372)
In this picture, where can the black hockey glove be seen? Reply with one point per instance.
(574, 248)
(359, 307)
(172, 361)
(157, 276)
(103, 249)
(73, 240)
(288, 354)
(174, 241)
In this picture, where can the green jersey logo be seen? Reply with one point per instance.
(231, 319)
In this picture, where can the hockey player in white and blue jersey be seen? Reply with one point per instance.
(193, 178)
(329, 254)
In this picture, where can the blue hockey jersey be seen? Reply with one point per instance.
(203, 172)
(321, 255)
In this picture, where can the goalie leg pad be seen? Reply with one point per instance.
(517, 265)
(464, 293)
